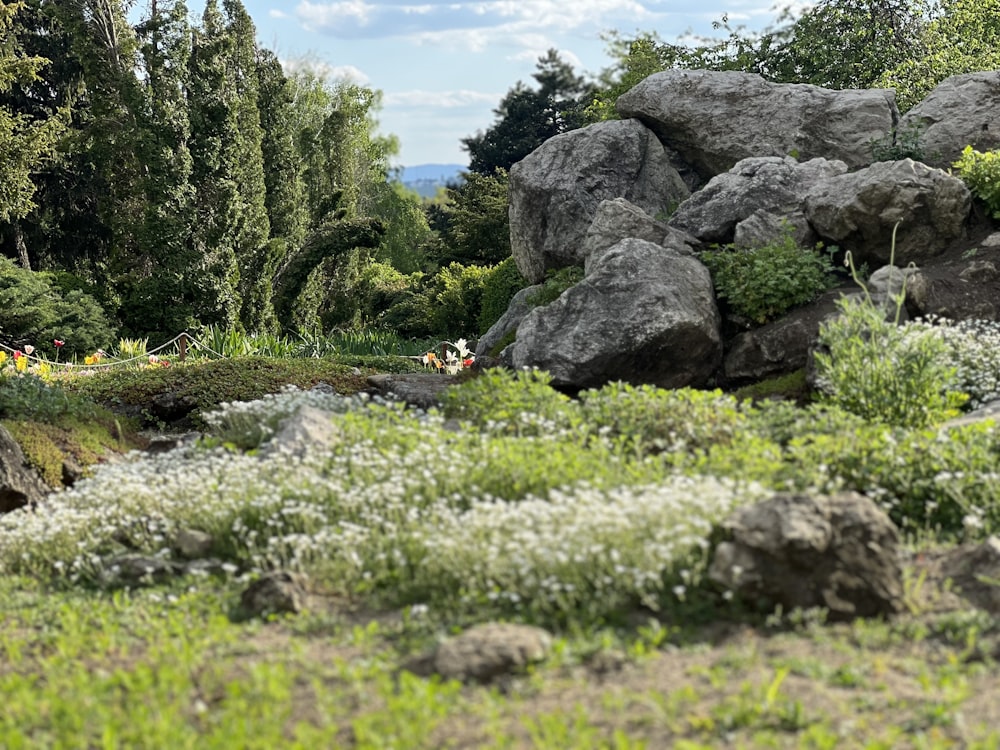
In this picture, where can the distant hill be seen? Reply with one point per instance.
(425, 179)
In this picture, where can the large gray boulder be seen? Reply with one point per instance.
(644, 313)
(618, 220)
(837, 552)
(781, 346)
(859, 210)
(768, 184)
(716, 119)
(520, 305)
(963, 110)
(556, 190)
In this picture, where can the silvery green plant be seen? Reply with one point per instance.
(884, 371)
(248, 424)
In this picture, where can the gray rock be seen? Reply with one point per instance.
(770, 184)
(963, 110)
(307, 429)
(859, 210)
(422, 390)
(762, 227)
(556, 190)
(20, 485)
(973, 572)
(618, 220)
(887, 283)
(519, 307)
(644, 314)
(780, 347)
(192, 544)
(715, 119)
(837, 552)
(139, 570)
(491, 650)
(954, 293)
(274, 593)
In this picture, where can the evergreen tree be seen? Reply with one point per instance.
(159, 280)
(526, 117)
(287, 212)
(217, 201)
(256, 258)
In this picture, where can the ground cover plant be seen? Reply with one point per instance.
(591, 516)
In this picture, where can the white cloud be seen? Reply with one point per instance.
(333, 16)
(275, 13)
(325, 70)
(441, 99)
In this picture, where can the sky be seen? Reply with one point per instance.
(443, 65)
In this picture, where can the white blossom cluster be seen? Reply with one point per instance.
(974, 350)
(401, 506)
(247, 424)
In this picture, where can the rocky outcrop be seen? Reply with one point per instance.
(618, 220)
(716, 119)
(274, 593)
(859, 210)
(779, 347)
(644, 313)
(520, 305)
(771, 185)
(20, 484)
(556, 190)
(963, 110)
(837, 552)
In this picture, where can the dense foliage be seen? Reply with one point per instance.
(761, 283)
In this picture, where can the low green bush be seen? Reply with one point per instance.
(762, 283)
(653, 420)
(885, 372)
(556, 282)
(27, 396)
(501, 283)
(519, 403)
(35, 311)
(981, 172)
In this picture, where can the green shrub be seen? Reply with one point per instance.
(899, 144)
(500, 285)
(761, 283)
(981, 172)
(651, 419)
(27, 396)
(556, 282)
(521, 403)
(33, 310)
(457, 300)
(884, 372)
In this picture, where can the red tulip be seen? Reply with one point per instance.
(58, 343)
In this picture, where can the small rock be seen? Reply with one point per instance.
(277, 592)
(192, 544)
(491, 650)
(802, 551)
(139, 570)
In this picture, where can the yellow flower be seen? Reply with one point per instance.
(21, 365)
(3, 358)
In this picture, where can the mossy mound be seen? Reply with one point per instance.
(52, 449)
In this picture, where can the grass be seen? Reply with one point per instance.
(165, 667)
(591, 517)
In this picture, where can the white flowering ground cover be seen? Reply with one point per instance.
(401, 508)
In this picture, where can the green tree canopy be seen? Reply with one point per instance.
(26, 141)
(527, 117)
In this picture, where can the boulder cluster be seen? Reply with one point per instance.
(705, 158)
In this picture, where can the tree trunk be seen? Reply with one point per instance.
(22, 249)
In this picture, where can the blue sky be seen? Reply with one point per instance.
(443, 65)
